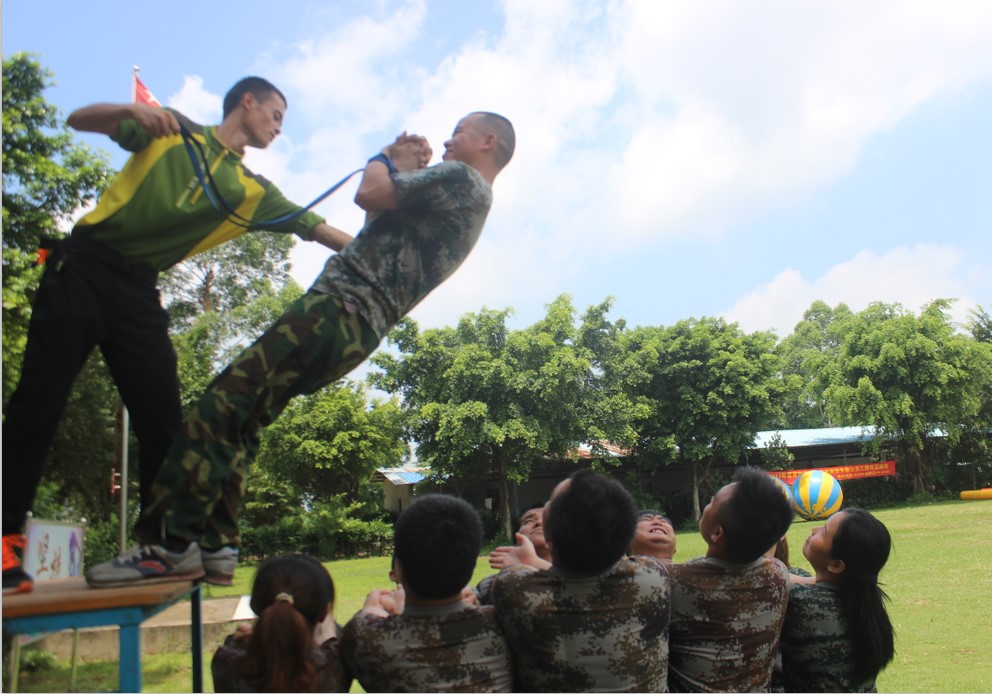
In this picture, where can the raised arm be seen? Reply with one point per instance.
(521, 553)
(377, 192)
(104, 118)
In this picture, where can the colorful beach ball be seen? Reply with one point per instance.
(786, 489)
(816, 495)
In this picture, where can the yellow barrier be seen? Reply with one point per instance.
(975, 494)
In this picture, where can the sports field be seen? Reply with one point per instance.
(939, 579)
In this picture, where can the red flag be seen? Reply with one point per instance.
(141, 93)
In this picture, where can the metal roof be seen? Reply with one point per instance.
(798, 438)
(407, 474)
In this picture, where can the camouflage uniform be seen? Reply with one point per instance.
(398, 258)
(604, 633)
(816, 650)
(726, 620)
(446, 648)
(484, 590)
(232, 669)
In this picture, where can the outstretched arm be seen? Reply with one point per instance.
(104, 118)
(521, 553)
(377, 192)
(329, 236)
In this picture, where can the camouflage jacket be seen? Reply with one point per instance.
(401, 255)
(726, 620)
(816, 650)
(449, 648)
(604, 633)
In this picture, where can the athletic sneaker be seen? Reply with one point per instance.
(147, 564)
(15, 579)
(220, 565)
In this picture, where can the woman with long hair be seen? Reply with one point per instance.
(292, 646)
(837, 634)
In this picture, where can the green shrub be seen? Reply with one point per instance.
(325, 530)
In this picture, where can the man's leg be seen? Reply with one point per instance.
(314, 343)
(199, 487)
(61, 334)
(142, 362)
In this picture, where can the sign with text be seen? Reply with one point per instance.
(885, 468)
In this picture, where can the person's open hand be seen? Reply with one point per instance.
(521, 553)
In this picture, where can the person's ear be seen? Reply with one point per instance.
(248, 101)
(489, 142)
(717, 535)
(836, 566)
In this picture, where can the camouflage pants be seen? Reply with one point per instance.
(198, 490)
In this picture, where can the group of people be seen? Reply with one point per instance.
(578, 607)
(591, 598)
(184, 190)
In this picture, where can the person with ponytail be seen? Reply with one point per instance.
(837, 634)
(292, 646)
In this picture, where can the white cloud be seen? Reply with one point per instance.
(195, 102)
(908, 276)
(638, 121)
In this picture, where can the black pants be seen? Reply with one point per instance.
(89, 296)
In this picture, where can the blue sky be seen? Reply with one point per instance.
(738, 159)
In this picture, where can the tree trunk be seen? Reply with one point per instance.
(696, 513)
(504, 501)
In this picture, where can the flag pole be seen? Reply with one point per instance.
(125, 419)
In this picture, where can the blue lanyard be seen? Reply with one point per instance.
(216, 199)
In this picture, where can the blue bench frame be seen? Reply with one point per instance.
(127, 614)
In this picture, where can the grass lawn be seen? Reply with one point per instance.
(939, 578)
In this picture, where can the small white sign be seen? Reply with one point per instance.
(54, 549)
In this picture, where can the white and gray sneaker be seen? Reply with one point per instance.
(219, 565)
(147, 564)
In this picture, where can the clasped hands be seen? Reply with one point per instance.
(409, 152)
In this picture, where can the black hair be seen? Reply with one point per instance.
(755, 517)
(260, 87)
(782, 550)
(863, 543)
(290, 595)
(437, 540)
(590, 524)
(506, 137)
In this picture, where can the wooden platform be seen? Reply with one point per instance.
(71, 604)
(74, 595)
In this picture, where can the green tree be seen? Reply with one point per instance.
(710, 388)
(208, 341)
(330, 443)
(46, 178)
(914, 378)
(611, 414)
(980, 324)
(484, 400)
(227, 276)
(809, 356)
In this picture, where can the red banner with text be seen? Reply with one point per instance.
(885, 468)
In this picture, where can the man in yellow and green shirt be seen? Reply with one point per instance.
(99, 285)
